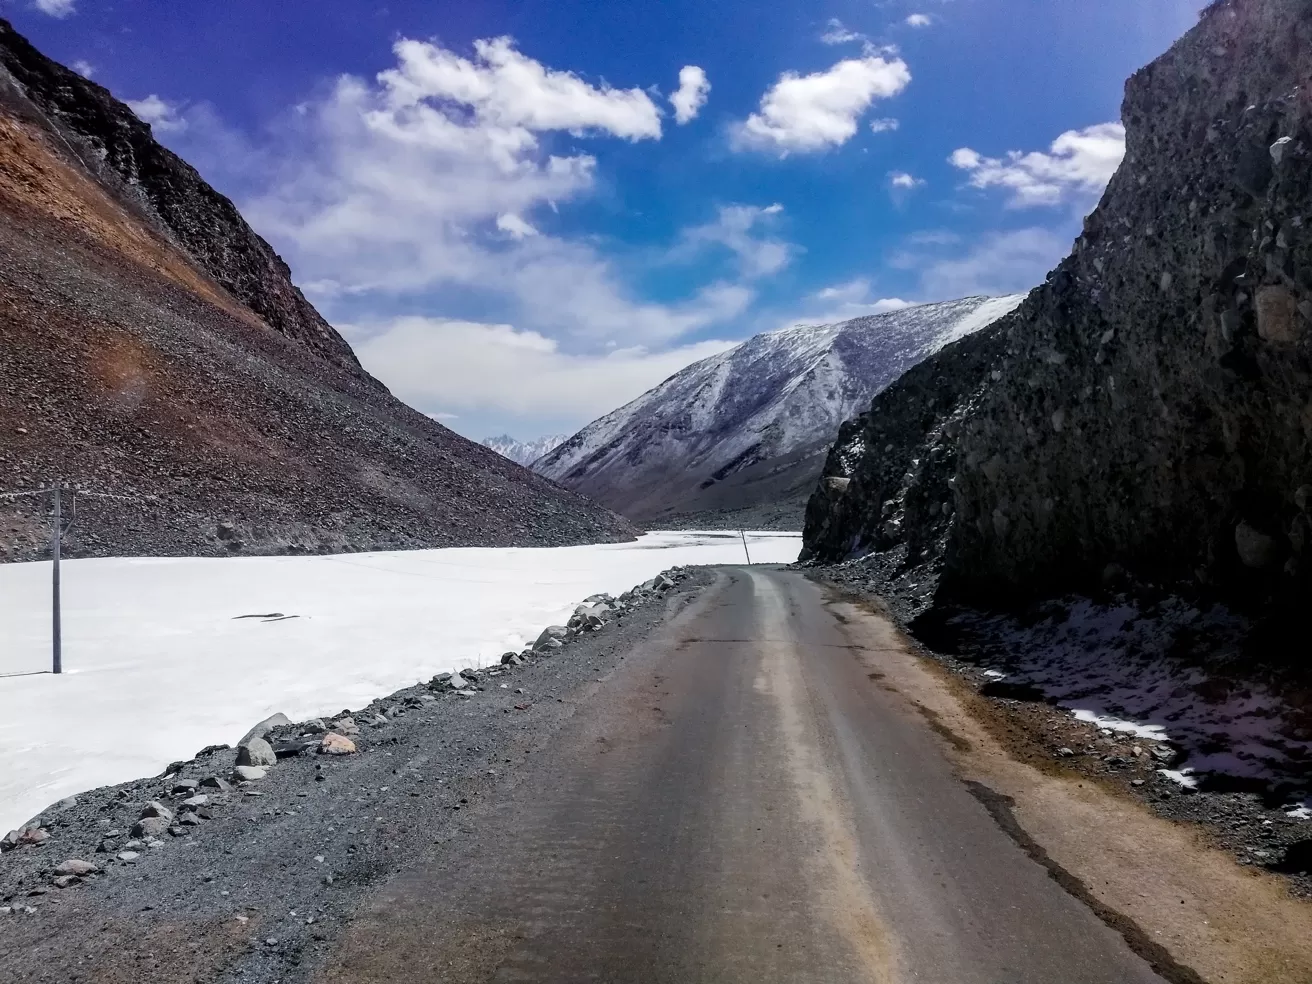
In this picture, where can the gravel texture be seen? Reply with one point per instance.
(258, 888)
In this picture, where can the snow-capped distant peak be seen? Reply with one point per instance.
(775, 394)
(524, 452)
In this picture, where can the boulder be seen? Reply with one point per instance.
(194, 802)
(34, 836)
(250, 773)
(346, 725)
(333, 744)
(214, 782)
(1254, 547)
(1277, 314)
(182, 786)
(150, 827)
(510, 659)
(256, 751)
(265, 726)
(557, 633)
(156, 809)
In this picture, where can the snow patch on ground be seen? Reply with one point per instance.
(1141, 671)
(158, 664)
(1153, 732)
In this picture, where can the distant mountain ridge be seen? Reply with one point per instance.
(153, 347)
(524, 452)
(748, 429)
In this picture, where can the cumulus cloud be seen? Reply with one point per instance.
(426, 179)
(808, 113)
(162, 115)
(903, 181)
(474, 367)
(1078, 165)
(691, 95)
(837, 33)
(887, 125)
(919, 20)
(55, 8)
(738, 227)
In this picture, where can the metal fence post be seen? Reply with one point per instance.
(743, 534)
(54, 551)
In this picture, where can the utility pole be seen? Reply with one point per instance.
(741, 533)
(54, 552)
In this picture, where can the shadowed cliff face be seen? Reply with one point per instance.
(1150, 405)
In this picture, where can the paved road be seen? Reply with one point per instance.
(739, 802)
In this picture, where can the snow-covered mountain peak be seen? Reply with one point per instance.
(771, 396)
(523, 452)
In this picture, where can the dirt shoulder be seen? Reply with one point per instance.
(1161, 883)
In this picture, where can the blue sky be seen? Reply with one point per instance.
(523, 214)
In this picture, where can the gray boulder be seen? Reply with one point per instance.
(265, 726)
(151, 827)
(556, 633)
(256, 751)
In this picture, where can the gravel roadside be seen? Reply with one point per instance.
(1258, 833)
(253, 883)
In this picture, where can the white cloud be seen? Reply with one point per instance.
(806, 113)
(837, 33)
(905, 182)
(513, 225)
(1079, 163)
(55, 8)
(886, 125)
(162, 115)
(919, 20)
(83, 68)
(473, 367)
(995, 263)
(507, 90)
(737, 227)
(691, 95)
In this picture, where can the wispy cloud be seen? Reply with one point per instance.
(741, 229)
(56, 8)
(886, 125)
(919, 20)
(837, 33)
(162, 115)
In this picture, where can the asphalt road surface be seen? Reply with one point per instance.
(741, 802)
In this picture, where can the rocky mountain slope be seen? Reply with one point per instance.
(745, 432)
(1147, 408)
(524, 452)
(154, 348)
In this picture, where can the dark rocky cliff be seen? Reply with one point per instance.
(1150, 405)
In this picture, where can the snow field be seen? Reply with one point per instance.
(158, 664)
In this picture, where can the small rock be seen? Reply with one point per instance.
(34, 836)
(1064, 752)
(177, 830)
(1278, 150)
(67, 881)
(314, 726)
(1276, 307)
(257, 751)
(107, 846)
(184, 786)
(74, 866)
(194, 802)
(214, 782)
(128, 856)
(334, 744)
(1136, 782)
(1254, 547)
(552, 634)
(189, 820)
(250, 773)
(346, 726)
(10, 840)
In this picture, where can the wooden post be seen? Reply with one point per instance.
(743, 534)
(54, 552)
